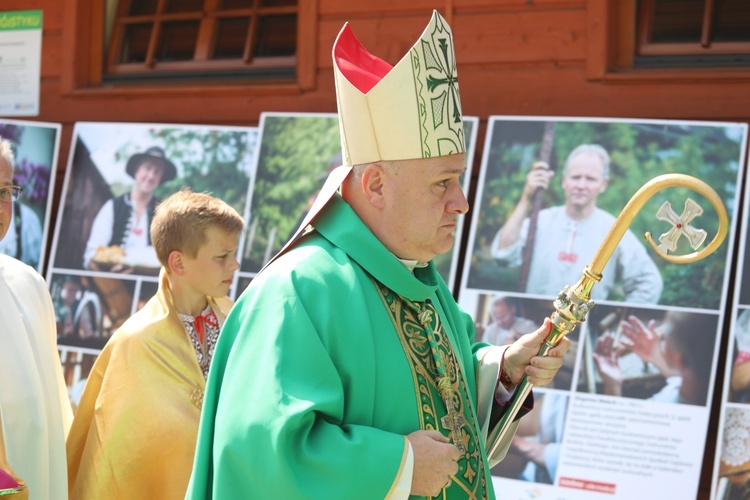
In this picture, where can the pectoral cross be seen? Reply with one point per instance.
(454, 421)
(680, 226)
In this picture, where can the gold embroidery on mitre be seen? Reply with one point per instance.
(412, 112)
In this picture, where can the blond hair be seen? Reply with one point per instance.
(182, 220)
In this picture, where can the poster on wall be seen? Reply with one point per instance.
(21, 62)
(35, 148)
(103, 267)
(296, 153)
(628, 413)
(731, 472)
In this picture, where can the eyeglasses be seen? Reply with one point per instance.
(10, 193)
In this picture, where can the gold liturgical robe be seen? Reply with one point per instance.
(134, 432)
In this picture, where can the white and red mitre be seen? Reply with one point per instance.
(407, 111)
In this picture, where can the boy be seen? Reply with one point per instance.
(134, 432)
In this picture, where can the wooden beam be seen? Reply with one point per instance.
(597, 38)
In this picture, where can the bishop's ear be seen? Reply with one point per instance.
(372, 182)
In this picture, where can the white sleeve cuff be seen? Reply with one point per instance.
(403, 486)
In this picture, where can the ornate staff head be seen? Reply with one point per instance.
(573, 302)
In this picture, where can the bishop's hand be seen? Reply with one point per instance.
(522, 357)
(435, 461)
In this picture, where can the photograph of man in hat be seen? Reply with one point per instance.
(120, 232)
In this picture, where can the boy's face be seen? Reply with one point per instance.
(211, 271)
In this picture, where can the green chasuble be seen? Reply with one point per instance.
(326, 363)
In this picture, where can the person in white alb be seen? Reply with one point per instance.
(35, 412)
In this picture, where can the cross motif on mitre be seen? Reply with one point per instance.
(680, 226)
(439, 60)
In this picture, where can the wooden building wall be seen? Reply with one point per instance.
(515, 57)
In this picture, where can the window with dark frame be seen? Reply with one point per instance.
(692, 33)
(168, 40)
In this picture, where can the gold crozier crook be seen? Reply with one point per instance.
(573, 302)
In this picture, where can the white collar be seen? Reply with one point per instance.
(410, 265)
